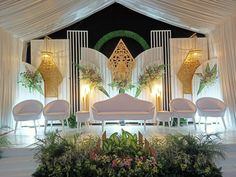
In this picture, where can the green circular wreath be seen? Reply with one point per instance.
(121, 33)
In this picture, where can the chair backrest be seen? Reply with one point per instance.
(28, 106)
(124, 103)
(179, 104)
(210, 103)
(57, 106)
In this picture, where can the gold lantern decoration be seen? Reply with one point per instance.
(51, 75)
(188, 69)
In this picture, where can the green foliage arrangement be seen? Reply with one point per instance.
(207, 78)
(187, 155)
(3, 143)
(72, 121)
(124, 156)
(92, 76)
(151, 74)
(120, 34)
(31, 80)
(122, 86)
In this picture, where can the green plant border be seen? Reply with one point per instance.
(121, 33)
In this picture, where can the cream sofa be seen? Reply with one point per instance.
(123, 107)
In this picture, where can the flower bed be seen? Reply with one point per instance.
(128, 155)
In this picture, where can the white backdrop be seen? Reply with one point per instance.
(93, 57)
(178, 52)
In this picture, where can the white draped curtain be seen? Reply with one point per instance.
(10, 55)
(222, 43)
(179, 50)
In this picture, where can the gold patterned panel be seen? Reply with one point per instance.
(50, 73)
(188, 69)
(121, 63)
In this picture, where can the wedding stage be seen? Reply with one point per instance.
(119, 72)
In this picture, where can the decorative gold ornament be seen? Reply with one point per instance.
(188, 69)
(121, 63)
(51, 75)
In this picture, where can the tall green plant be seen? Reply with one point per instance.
(122, 145)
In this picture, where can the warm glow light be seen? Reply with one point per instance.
(156, 90)
(85, 89)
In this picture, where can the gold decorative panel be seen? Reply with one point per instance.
(188, 69)
(121, 63)
(50, 73)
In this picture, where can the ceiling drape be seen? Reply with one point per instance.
(29, 19)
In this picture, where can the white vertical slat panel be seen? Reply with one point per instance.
(77, 40)
(161, 38)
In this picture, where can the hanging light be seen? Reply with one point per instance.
(51, 75)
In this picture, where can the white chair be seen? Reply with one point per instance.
(211, 107)
(56, 110)
(183, 108)
(27, 110)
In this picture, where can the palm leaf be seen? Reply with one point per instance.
(199, 75)
(138, 91)
(214, 69)
(201, 87)
(207, 70)
(103, 90)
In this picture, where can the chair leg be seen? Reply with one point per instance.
(205, 123)
(103, 124)
(223, 121)
(67, 122)
(144, 122)
(62, 122)
(45, 126)
(178, 122)
(199, 121)
(194, 123)
(16, 127)
(35, 128)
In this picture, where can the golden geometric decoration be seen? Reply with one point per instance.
(121, 63)
(50, 73)
(188, 69)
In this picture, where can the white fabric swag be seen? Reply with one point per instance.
(29, 19)
(222, 43)
(10, 55)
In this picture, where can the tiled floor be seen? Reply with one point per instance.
(25, 136)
